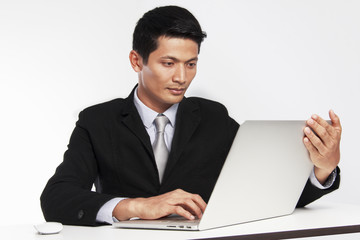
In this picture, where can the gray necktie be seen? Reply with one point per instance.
(161, 152)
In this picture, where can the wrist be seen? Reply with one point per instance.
(322, 174)
(126, 209)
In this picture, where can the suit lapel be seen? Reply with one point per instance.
(132, 120)
(187, 120)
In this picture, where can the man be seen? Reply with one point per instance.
(115, 145)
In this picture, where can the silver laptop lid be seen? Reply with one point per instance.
(263, 176)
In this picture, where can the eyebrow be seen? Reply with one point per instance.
(177, 60)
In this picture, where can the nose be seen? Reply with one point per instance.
(180, 75)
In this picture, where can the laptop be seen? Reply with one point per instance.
(263, 177)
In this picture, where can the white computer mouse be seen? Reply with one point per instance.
(49, 228)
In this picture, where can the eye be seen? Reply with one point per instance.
(168, 64)
(191, 65)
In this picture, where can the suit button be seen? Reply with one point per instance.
(81, 214)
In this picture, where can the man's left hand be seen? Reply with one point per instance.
(324, 146)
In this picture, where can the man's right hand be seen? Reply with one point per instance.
(177, 202)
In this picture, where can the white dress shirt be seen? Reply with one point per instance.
(148, 116)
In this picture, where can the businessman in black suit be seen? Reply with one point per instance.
(114, 144)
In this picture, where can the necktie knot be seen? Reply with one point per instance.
(160, 123)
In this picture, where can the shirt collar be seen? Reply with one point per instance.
(148, 115)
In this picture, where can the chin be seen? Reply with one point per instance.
(176, 99)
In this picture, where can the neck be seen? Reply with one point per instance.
(157, 107)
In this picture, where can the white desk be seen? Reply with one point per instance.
(315, 220)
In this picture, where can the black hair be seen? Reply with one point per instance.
(168, 21)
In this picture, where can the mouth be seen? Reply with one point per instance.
(177, 91)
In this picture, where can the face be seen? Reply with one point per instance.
(168, 73)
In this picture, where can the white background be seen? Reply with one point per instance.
(262, 59)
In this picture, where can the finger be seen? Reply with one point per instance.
(327, 130)
(191, 202)
(200, 202)
(182, 212)
(322, 122)
(194, 197)
(335, 119)
(318, 144)
(309, 146)
(191, 206)
(312, 150)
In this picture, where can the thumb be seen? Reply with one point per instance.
(335, 119)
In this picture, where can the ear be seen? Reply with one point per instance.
(136, 61)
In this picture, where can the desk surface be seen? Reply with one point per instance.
(315, 220)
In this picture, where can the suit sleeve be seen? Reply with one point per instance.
(312, 193)
(67, 197)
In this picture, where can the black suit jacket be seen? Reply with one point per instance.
(110, 148)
